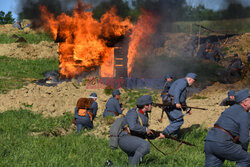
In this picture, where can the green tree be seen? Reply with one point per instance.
(121, 6)
(6, 18)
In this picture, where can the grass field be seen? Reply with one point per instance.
(30, 38)
(14, 73)
(19, 148)
(234, 26)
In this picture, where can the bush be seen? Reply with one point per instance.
(6, 18)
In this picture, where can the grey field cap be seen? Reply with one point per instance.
(241, 95)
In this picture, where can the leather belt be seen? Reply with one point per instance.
(235, 138)
(116, 113)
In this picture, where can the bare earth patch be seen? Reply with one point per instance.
(57, 100)
(30, 51)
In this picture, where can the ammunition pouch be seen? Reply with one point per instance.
(82, 112)
(85, 112)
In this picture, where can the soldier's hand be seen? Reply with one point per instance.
(149, 131)
(162, 136)
(189, 113)
(122, 108)
(178, 105)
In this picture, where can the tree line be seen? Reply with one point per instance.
(173, 10)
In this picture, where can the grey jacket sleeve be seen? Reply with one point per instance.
(94, 106)
(117, 107)
(244, 132)
(134, 124)
(178, 90)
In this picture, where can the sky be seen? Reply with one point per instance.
(10, 5)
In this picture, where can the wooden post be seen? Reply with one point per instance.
(199, 40)
(191, 28)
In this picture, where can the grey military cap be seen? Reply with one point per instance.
(241, 95)
(143, 100)
(192, 75)
(116, 92)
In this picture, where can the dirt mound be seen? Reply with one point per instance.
(30, 51)
(57, 100)
(237, 44)
(176, 44)
(51, 101)
(11, 29)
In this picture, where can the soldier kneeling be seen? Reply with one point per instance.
(85, 112)
(229, 138)
(135, 123)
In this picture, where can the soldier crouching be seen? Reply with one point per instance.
(135, 123)
(113, 106)
(85, 112)
(229, 138)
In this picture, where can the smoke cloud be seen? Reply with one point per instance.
(217, 4)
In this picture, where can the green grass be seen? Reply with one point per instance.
(30, 38)
(234, 25)
(19, 148)
(198, 97)
(131, 96)
(14, 73)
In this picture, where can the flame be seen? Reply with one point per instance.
(85, 43)
(144, 28)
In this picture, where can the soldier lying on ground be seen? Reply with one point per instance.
(230, 100)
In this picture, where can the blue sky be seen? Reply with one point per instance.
(8, 5)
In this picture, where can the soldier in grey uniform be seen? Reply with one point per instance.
(135, 123)
(113, 106)
(230, 100)
(179, 92)
(85, 121)
(229, 138)
(168, 82)
(236, 67)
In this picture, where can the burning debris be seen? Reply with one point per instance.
(51, 79)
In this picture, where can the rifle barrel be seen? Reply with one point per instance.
(157, 133)
(195, 108)
(184, 106)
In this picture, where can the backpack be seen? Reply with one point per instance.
(114, 132)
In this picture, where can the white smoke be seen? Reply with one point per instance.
(216, 4)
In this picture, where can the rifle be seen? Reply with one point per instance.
(169, 105)
(172, 106)
(157, 134)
